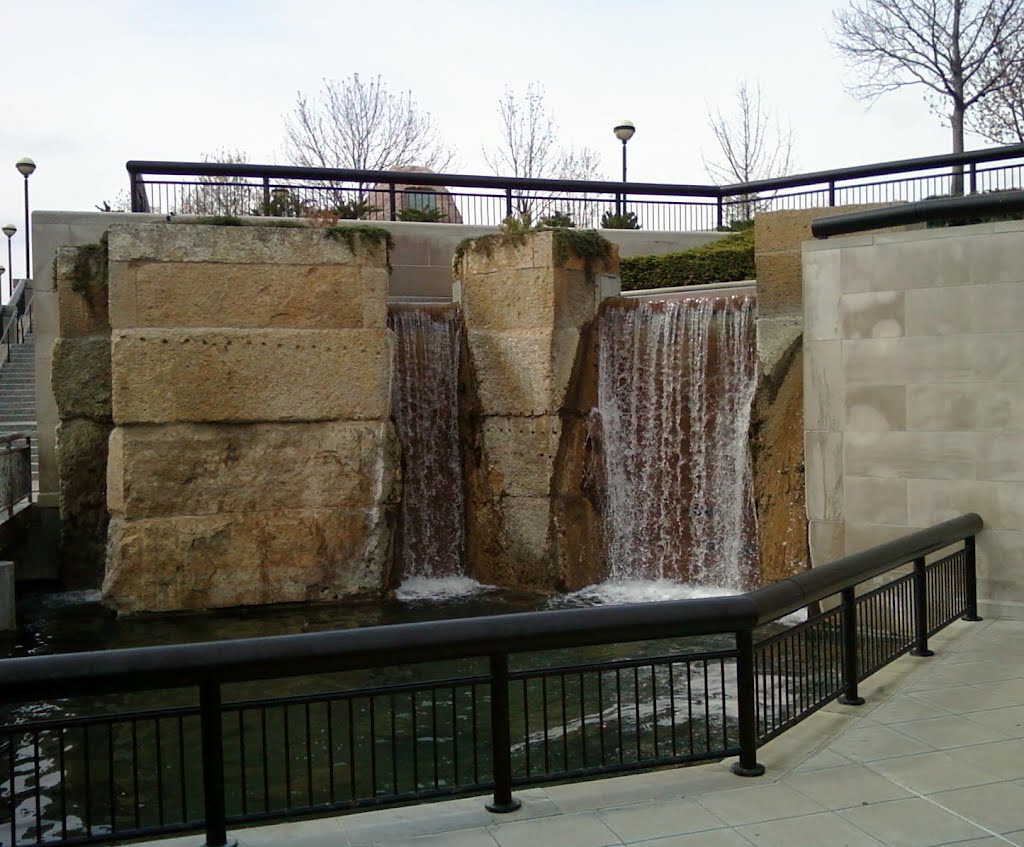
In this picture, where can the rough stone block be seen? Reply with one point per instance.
(217, 561)
(520, 454)
(786, 230)
(82, 465)
(179, 375)
(526, 535)
(286, 296)
(522, 373)
(81, 283)
(206, 469)
(80, 377)
(184, 242)
(531, 298)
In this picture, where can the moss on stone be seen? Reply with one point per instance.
(370, 237)
(89, 271)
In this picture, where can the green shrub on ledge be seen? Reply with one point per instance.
(727, 260)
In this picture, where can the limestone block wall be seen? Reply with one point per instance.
(253, 459)
(80, 380)
(914, 381)
(529, 310)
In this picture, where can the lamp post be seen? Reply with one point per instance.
(9, 231)
(624, 131)
(26, 167)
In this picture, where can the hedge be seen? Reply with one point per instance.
(726, 260)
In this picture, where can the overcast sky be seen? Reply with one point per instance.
(91, 84)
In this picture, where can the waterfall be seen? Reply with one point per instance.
(431, 538)
(676, 383)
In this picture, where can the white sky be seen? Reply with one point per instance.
(93, 83)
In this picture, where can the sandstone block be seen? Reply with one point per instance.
(206, 469)
(525, 372)
(779, 284)
(217, 561)
(520, 454)
(532, 298)
(526, 539)
(81, 282)
(80, 377)
(183, 242)
(787, 230)
(82, 465)
(169, 375)
(211, 294)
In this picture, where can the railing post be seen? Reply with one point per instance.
(213, 765)
(508, 202)
(746, 692)
(971, 580)
(393, 201)
(851, 665)
(974, 177)
(831, 192)
(266, 195)
(721, 213)
(501, 738)
(921, 610)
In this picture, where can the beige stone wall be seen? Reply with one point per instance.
(915, 392)
(253, 459)
(80, 380)
(528, 311)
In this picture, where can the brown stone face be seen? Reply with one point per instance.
(231, 376)
(80, 377)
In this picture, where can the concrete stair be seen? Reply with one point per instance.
(18, 397)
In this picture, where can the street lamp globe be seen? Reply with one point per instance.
(9, 230)
(624, 131)
(26, 167)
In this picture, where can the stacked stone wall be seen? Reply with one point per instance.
(253, 460)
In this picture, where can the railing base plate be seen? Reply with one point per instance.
(739, 770)
(971, 618)
(231, 842)
(504, 808)
(922, 653)
(851, 701)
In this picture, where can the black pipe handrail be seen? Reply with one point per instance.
(147, 668)
(140, 168)
(922, 211)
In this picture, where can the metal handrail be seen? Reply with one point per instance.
(209, 665)
(923, 211)
(138, 169)
(147, 668)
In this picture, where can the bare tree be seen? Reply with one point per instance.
(363, 125)
(529, 148)
(960, 51)
(753, 145)
(1000, 117)
(219, 195)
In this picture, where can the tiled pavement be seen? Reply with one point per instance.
(936, 756)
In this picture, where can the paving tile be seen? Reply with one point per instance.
(643, 822)
(1004, 759)
(763, 802)
(962, 699)
(561, 831)
(903, 708)
(826, 828)
(911, 823)
(476, 837)
(822, 760)
(712, 838)
(640, 788)
(998, 807)
(950, 731)
(927, 773)
(872, 743)
(1009, 720)
(843, 787)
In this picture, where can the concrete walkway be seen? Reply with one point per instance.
(936, 756)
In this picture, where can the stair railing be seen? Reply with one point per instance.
(13, 316)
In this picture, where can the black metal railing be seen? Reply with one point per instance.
(395, 714)
(15, 472)
(207, 188)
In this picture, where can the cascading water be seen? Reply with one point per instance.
(431, 538)
(676, 383)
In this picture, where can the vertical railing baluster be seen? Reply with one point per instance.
(849, 697)
(746, 691)
(508, 202)
(266, 197)
(971, 580)
(501, 738)
(393, 201)
(920, 596)
(211, 733)
(831, 192)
